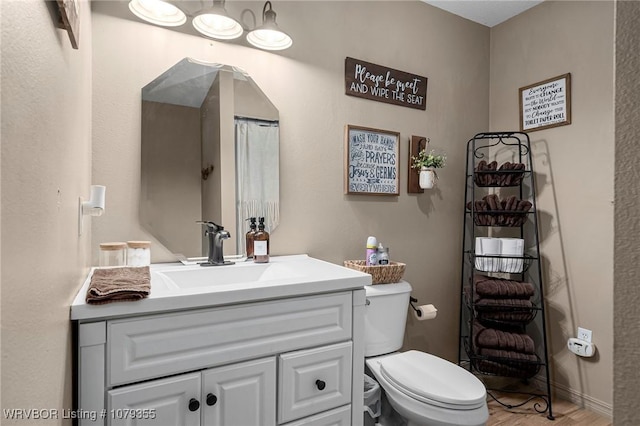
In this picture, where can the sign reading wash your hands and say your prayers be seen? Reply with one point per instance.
(382, 84)
(371, 161)
(546, 104)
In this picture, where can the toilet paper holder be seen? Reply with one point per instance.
(422, 312)
(413, 300)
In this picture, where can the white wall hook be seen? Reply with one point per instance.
(94, 207)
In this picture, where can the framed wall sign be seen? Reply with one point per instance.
(546, 104)
(371, 159)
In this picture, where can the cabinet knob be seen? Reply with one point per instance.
(320, 384)
(211, 399)
(194, 404)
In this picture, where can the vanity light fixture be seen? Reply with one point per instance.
(158, 12)
(215, 22)
(269, 36)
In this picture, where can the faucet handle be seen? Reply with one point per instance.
(211, 227)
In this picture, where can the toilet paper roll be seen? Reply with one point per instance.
(487, 246)
(512, 247)
(479, 261)
(425, 312)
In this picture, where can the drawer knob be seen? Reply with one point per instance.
(211, 399)
(320, 384)
(194, 404)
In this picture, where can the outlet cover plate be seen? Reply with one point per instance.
(584, 334)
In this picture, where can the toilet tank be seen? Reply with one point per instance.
(385, 317)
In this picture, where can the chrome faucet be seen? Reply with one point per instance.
(217, 235)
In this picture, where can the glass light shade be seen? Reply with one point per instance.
(268, 36)
(215, 23)
(158, 12)
(269, 39)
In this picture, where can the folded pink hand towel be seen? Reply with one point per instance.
(118, 284)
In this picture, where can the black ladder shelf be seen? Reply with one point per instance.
(503, 338)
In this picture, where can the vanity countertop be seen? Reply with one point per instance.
(176, 287)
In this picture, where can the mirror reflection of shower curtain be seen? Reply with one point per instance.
(257, 175)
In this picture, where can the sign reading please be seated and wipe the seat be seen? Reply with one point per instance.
(383, 84)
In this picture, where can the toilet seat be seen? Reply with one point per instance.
(433, 380)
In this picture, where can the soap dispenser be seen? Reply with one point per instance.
(261, 244)
(250, 236)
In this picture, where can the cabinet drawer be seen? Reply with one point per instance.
(158, 345)
(313, 380)
(337, 417)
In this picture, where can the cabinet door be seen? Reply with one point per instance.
(170, 401)
(240, 394)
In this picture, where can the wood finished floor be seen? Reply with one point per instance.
(565, 413)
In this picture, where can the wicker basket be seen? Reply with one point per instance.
(380, 274)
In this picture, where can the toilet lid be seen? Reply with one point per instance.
(430, 379)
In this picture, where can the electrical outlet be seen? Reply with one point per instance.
(584, 334)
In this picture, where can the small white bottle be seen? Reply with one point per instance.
(383, 255)
(372, 252)
(138, 253)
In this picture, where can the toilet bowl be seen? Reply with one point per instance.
(423, 389)
(427, 390)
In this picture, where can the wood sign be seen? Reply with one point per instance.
(371, 159)
(378, 83)
(416, 143)
(546, 104)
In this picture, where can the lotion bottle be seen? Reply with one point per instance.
(261, 244)
(372, 252)
(250, 236)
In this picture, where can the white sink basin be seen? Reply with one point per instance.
(212, 276)
(176, 287)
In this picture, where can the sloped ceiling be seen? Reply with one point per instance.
(485, 12)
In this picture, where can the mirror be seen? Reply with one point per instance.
(210, 151)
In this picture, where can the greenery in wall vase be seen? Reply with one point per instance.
(428, 161)
(425, 164)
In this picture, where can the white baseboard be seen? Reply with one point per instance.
(578, 398)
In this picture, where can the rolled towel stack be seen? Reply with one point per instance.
(502, 307)
(491, 211)
(507, 353)
(494, 340)
(509, 174)
(498, 300)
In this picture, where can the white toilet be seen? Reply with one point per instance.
(422, 388)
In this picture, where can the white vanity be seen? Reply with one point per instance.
(242, 345)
